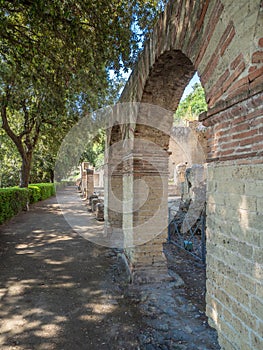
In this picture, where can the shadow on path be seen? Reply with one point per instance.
(57, 289)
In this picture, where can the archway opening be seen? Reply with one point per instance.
(187, 193)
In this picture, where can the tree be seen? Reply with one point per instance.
(94, 150)
(193, 105)
(55, 62)
(10, 161)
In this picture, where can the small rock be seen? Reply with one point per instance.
(162, 327)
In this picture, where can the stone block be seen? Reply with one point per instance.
(257, 307)
(254, 188)
(256, 341)
(100, 211)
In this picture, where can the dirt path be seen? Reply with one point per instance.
(59, 291)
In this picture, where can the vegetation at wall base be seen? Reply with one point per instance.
(14, 199)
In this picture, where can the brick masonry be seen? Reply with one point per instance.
(222, 40)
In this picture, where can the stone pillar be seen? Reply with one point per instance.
(90, 183)
(84, 167)
(145, 217)
(113, 194)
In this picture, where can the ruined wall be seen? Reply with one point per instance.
(222, 39)
(234, 223)
(188, 144)
(234, 253)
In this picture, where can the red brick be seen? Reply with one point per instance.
(227, 83)
(257, 57)
(240, 82)
(224, 41)
(256, 121)
(222, 128)
(236, 61)
(260, 42)
(255, 73)
(218, 84)
(251, 140)
(211, 66)
(238, 91)
(257, 82)
(258, 147)
(202, 16)
(240, 127)
(226, 138)
(246, 134)
(187, 13)
(247, 117)
(222, 125)
(237, 110)
(242, 150)
(252, 69)
(229, 145)
(227, 152)
(213, 20)
(238, 120)
(228, 39)
(239, 69)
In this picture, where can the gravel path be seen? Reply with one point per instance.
(59, 291)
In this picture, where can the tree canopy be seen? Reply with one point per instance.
(193, 105)
(55, 59)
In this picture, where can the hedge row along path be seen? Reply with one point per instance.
(59, 291)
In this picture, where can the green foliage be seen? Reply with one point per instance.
(15, 199)
(12, 201)
(46, 190)
(193, 105)
(34, 193)
(94, 151)
(10, 162)
(55, 59)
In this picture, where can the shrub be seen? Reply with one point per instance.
(46, 190)
(12, 201)
(34, 193)
(15, 199)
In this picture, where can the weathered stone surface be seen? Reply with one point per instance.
(223, 42)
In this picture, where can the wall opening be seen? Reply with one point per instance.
(187, 193)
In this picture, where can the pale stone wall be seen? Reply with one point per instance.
(235, 255)
(222, 39)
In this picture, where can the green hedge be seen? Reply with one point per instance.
(15, 199)
(46, 190)
(34, 193)
(12, 201)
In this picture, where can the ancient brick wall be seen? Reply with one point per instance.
(234, 253)
(222, 40)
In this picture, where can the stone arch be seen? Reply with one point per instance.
(115, 134)
(223, 42)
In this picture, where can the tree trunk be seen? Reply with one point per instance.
(52, 175)
(25, 170)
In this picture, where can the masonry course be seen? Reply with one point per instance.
(223, 42)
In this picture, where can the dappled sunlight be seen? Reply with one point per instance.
(258, 272)
(214, 313)
(48, 330)
(58, 262)
(101, 308)
(16, 288)
(53, 286)
(243, 214)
